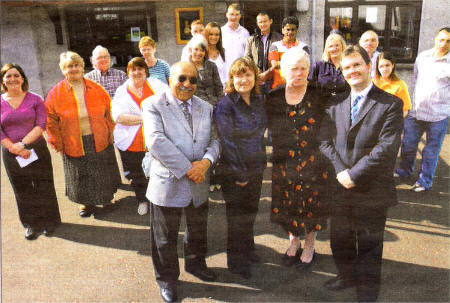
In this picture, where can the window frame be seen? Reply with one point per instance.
(390, 5)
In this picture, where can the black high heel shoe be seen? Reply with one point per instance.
(304, 266)
(291, 260)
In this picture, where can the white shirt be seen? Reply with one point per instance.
(185, 54)
(233, 41)
(373, 61)
(221, 68)
(431, 101)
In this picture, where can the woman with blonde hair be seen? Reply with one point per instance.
(241, 122)
(299, 204)
(387, 80)
(326, 74)
(79, 126)
(157, 68)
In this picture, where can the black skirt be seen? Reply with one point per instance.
(94, 178)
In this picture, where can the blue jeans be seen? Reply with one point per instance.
(413, 131)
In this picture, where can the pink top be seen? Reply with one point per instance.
(17, 123)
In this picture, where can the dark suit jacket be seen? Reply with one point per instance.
(368, 148)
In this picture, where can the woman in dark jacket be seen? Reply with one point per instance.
(326, 74)
(209, 86)
(241, 121)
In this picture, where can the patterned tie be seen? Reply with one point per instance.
(355, 107)
(187, 114)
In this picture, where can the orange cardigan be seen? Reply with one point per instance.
(63, 126)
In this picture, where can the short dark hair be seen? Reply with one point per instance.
(138, 62)
(263, 13)
(445, 28)
(6, 68)
(390, 57)
(356, 48)
(289, 20)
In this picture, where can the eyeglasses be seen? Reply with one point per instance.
(192, 80)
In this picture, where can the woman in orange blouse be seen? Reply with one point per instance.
(128, 136)
(79, 125)
(387, 80)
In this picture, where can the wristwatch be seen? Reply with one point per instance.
(26, 146)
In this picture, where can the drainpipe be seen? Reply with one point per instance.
(313, 29)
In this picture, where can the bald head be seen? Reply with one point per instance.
(183, 80)
(369, 41)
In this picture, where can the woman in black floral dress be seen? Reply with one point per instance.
(298, 176)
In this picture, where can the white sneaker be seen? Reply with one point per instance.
(143, 208)
(396, 175)
(418, 188)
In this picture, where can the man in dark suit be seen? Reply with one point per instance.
(360, 136)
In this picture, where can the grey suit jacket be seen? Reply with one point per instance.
(174, 146)
(367, 148)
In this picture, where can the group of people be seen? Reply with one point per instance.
(335, 128)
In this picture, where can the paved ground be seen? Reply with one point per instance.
(107, 258)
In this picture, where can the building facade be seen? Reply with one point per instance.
(34, 33)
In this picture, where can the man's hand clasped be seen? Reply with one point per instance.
(198, 171)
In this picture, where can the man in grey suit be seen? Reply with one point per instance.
(360, 136)
(179, 133)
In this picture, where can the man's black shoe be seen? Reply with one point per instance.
(244, 272)
(203, 274)
(339, 283)
(30, 233)
(168, 294)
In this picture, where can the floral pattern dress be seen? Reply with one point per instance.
(299, 202)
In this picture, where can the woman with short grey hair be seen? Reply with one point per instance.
(209, 86)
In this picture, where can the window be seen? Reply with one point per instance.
(118, 27)
(397, 23)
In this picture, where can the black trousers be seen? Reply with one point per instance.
(132, 161)
(357, 246)
(164, 227)
(241, 209)
(34, 188)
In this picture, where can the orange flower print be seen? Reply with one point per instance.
(304, 128)
(311, 121)
(298, 187)
(309, 215)
(294, 223)
(275, 210)
(315, 193)
(300, 211)
(303, 203)
(303, 164)
(286, 194)
(297, 132)
(291, 153)
(292, 113)
(303, 143)
(311, 158)
(318, 227)
(308, 104)
(283, 173)
(310, 199)
(298, 168)
(302, 224)
(302, 112)
(325, 175)
(289, 203)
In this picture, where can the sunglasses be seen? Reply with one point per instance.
(192, 80)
